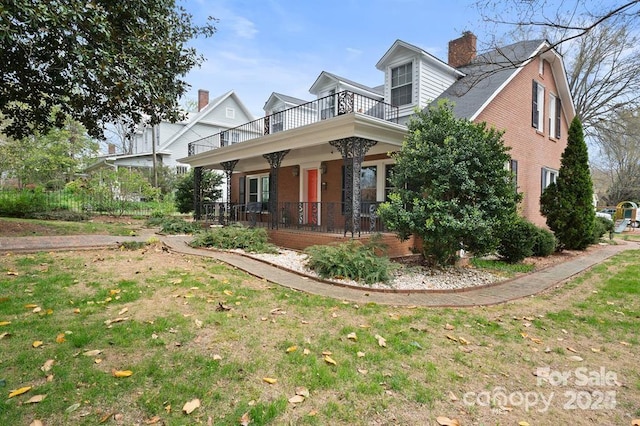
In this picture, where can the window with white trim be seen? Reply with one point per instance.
(258, 189)
(512, 166)
(537, 106)
(402, 84)
(555, 110)
(230, 113)
(181, 170)
(388, 186)
(277, 124)
(229, 137)
(549, 176)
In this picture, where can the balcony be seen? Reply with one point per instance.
(302, 115)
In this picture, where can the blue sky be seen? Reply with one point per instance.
(265, 46)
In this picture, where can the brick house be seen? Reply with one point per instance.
(322, 166)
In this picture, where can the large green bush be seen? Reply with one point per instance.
(450, 186)
(210, 189)
(352, 260)
(254, 240)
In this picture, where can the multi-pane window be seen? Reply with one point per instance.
(276, 121)
(368, 181)
(549, 176)
(512, 166)
(388, 186)
(258, 189)
(555, 110)
(181, 170)
(537, 106)
(264, 180)
(402, 84)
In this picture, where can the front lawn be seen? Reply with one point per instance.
(250, 352)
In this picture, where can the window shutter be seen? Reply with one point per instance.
(241, 189)
(534, 105)
(514, 171)
(557, 117)
(543, 176)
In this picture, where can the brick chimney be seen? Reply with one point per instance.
(203, 99)
(112, 149)
(462, 50)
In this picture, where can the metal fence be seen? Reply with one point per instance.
(23, 203)
(304, 216)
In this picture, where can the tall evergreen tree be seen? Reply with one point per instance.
(568, 203)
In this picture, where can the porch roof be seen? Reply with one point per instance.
(306, 144)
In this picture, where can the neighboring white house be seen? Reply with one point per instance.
(172, 139)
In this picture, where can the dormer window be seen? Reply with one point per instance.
(401, 84)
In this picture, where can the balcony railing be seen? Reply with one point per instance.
(311, 112)
(303, 216)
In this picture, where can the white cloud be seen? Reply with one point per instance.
(243, 27)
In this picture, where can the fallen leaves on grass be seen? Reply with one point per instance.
(446, 421)
(329, 360)
(47, 365)
(35, 399)
(3, 323)
(94, 352)
(115, 320)
(121, 373)
(60, 338)
(19, 391)
(270, 380)
(37, 343)
(291, 349)
(296, 399)
(352, 336)
(190, 406)
(381, 340)
(245, 419)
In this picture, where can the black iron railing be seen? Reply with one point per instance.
(304, 216)
(311, 112)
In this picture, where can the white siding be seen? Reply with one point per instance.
(429, 80)
(432, 82)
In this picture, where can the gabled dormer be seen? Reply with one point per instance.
(412, 77)
(328, 84)
(278, 102)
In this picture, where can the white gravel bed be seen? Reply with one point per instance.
(405, 278)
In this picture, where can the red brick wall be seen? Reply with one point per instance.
(533, 150)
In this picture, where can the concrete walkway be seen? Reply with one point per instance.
(524, 286)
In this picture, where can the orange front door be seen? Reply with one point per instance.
(312, 196)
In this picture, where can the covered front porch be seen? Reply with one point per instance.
(327, 175)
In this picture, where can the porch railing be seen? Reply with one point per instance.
(311, 112)
(304, 216)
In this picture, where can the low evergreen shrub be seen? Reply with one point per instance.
(352, 260)
(65, 215)
(21, 203)
(602, 226)
(175, 225)
(517, 240)
(544, 243)
(253, 240)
